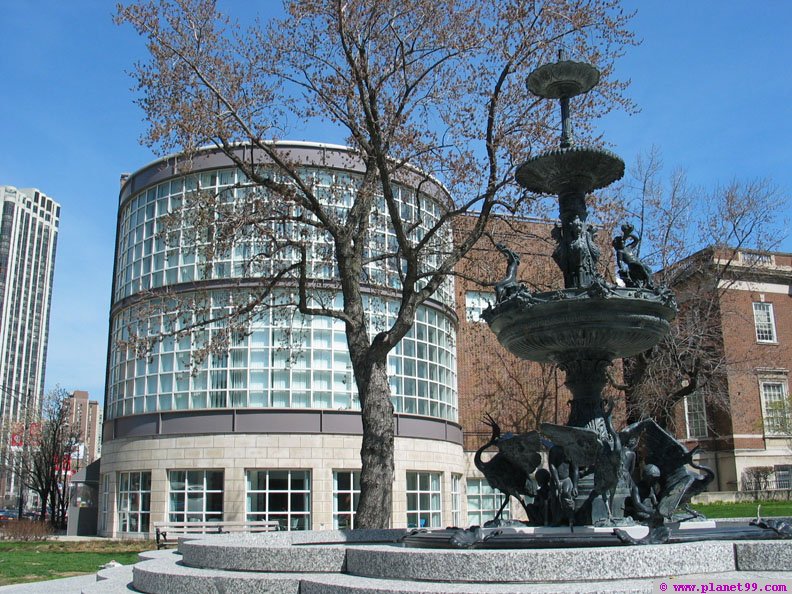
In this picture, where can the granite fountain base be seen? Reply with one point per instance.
(374, 562)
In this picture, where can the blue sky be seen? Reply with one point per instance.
(711, 78)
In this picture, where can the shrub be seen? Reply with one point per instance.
(25, 530)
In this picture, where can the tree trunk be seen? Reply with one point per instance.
(376, 453)
(44, 498)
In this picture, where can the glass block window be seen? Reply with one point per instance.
(280, 495)
(286, 360)
(776, 407)
(424, 500)
(157, 247)
(134, 501)
(475, 303)
(483, 502)
(764, 322)
(346, 494)
(456, 500)
(195, 495)
(695, 415)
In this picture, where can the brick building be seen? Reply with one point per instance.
(744, 429)
(742, 421)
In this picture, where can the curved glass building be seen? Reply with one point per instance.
(268, 428)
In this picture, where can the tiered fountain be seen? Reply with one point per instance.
(605, 486)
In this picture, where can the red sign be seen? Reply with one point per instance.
(18, 435)
(64, 465)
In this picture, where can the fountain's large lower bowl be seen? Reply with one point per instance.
(557, 326)
(572, 169)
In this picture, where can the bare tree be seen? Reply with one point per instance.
(420, 88)
(697, 241)
(46, 464)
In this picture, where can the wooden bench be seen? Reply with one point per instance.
(169, 532)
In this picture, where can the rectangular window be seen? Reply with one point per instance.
(695, 415)
(776, 407)
(483, 502)
(280, 495)
(783, 476)
(346, 494)
(475, 303)
(456, 500)
(424, 508)
(764, 322)
(195, 496)
(134, 501)
(105, 503)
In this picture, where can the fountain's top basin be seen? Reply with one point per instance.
(597, 323)
(572, 169)
(563, 79)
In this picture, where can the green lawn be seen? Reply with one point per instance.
(22, 562)
(745, 510)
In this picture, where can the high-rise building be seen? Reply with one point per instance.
(28, 237)
(85, 419)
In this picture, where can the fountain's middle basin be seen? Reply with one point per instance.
(559, 325)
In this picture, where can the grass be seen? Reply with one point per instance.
(22, 562)
(746, 509)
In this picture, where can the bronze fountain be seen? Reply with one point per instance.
(600, 484)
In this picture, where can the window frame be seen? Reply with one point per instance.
(205, 515)
(251, 496)
(478, 488)
(420, 515)
(782, 475)
(476, 302)
(133, 505)
(688, 413)
(769, 415)
(348, 497)
(105, 502)
(456, 499)
(764, 326)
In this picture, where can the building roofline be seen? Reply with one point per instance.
(162, 162)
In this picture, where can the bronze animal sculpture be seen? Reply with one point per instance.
(509, 285)
(594, 451)
(509, 471)
(677, 484)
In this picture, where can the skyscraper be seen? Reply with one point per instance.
(28, 237)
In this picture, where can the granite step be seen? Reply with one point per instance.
(167, 575)
(539, 565)
(322, 563)
(249, 553)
